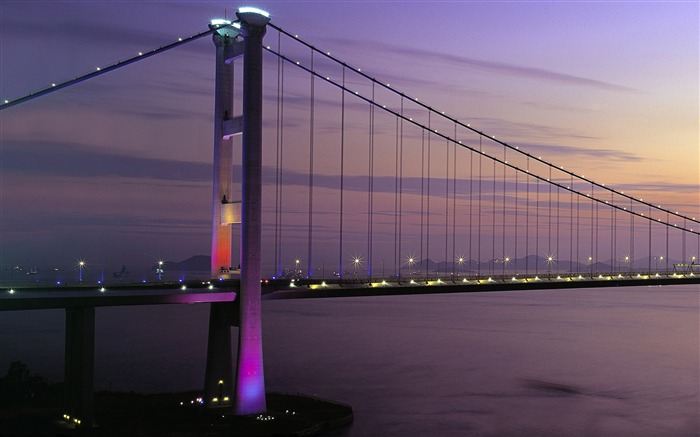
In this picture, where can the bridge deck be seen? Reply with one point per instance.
(29, 298)
(36, 298)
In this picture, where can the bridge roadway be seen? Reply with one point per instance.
(191, 292)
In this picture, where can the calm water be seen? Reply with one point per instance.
(589, 362)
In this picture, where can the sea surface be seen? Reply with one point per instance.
(586, 362)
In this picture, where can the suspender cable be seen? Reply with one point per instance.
(590, 257)
(683, 260)
(427, 216)
(503, 223)
(613, 231)
(478, 217)
(471, 204)
(447, 199)
(401, 187)
(667, 251)
(516, 225)
(527, 218)
(537, 227)
(649, 266)
(454, 199)
(396, 200)
(342, 175)
(558, 217)
(280, 67)
(597, 233)
(632, 238)
(492, 263)
(549, 220)
(571, 229)
(578, 229)
(422, 195)
(309, 249)
(281, 171)
(370, 185)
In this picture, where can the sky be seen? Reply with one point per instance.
(117, 170)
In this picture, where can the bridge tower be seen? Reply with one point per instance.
(250, 377)
(225, 36)
(250, 381)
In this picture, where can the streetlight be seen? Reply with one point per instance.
(460, 261)
(159, 269)
(297, 271)
(506, 260)
(627, 261)
(356, 262)
(81, 264)
(550, 261)
(590, 265)
(410, 261)
(659, 258)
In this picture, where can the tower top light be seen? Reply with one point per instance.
(252, 10)
(253, 16)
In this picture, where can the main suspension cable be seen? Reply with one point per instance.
(102, 70)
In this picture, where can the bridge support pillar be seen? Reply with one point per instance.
(218, 379)
(223, 157)
(250, 378)
(79, 366)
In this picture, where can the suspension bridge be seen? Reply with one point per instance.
(346, 186)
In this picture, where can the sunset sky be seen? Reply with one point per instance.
(117, 169)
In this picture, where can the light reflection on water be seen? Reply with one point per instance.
(591, 362)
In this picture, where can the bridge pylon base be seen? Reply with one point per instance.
(218, 379)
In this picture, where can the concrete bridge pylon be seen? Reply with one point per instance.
(247, 391)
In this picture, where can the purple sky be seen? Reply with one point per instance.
(117, 169)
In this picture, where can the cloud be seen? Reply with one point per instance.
(47, 158)
(571, 151)
(80, 25)
(118, 222)
(660, 187)
(58, 159)
(462, 62)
